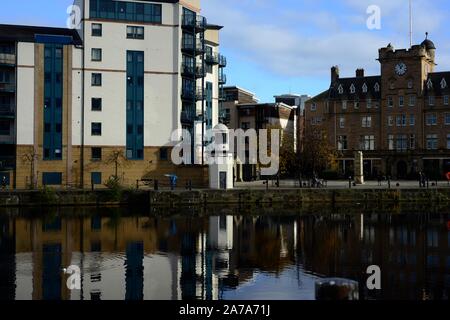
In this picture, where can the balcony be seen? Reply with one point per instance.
(190, 94)
(189, 47)
(7, 59)
(195, 23)
(187, 117)
(7, 112)
(7, 162)
(193, 72)
(200, 94)
(222, 78)
(212, 58)
(222, 61)
(8, 87)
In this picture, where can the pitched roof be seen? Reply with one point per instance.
(436, 80)
(358, 83)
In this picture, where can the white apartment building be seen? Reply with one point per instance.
(103, 99)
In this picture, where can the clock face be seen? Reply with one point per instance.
(401, 69)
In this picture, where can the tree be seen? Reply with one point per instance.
(30, 159)
(118, 159)
(318, 154)
(287, 157)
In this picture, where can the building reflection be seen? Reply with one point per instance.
(190, 257)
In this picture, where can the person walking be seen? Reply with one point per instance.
(4, 183)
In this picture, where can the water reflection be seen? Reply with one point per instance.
(186, 256)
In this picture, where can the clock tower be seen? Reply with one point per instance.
(403, 78)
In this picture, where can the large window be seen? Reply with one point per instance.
(447, 119)
(367, 143)
(342, 143)
(366, 122)
(135, 32)
(432, 142)
(5, 128)
(402, 142)
(96, 153)
(126, 11)
(431, 119)
(448, 141)
(391, 142)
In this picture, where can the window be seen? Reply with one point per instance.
(96, 129)
(431, 119)
(390, 102)
(412, 101)
(96, 30)
(432, 142)
(443, 83)
(448, 141)
(340, 89)
(377, 87)
(313, 106)
(356, 104)
(135, 32)
(431, 100)
(369, 103)
(447, 119)
(96, 54)
(367, 122)
(245, 125)
(344, 105)
(429, 84)
(412, 120)
(390, 121)
(316, 121)
(364, 88)
(96, 79)
(402, 142)
(446, 100)
(342, 122)
(410, 84)
(401, 101)
(96, 104)
(391, 142)
(125, 11)
(412, 141)
(51, 178)
(96, 153)
(5, 128)
(163, 154)
(377, 104)
(96, 178)
(367, 143)
(342, 143)
(352, 88)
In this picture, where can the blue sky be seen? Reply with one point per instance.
(282, 46)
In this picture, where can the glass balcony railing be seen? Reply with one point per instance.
(196, 22)
(7, 111)
(7, 87)
(189, 46)
(222, 78)
(212, 58)
(191, 71)
(222, 61)
(7, 162)
(7, 59)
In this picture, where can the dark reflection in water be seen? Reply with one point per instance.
(191, 255)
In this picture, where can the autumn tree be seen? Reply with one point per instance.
(118, 159)
(317, 154)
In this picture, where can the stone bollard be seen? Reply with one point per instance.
(336, 289)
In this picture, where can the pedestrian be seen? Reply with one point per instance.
(421, 179)
(4, 184)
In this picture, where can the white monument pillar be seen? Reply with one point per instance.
(359, 168)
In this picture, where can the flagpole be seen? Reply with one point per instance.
(410, 24)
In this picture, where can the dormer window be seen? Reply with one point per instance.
(340, 89)
(352, 88)
(364, 88)
(443, 84)
(377, 87)
(410, 84)
(429, 84)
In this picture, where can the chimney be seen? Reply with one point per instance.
(360, 73)
(334, 74)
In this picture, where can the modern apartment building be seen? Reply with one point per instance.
(104, 99)
(399, 119)
(242, 110)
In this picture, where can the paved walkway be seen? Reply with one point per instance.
(342, 184)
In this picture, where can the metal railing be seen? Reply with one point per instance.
(212, 58)
(222, 61)
(222, 78)
(7, 87)
(194, 22)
